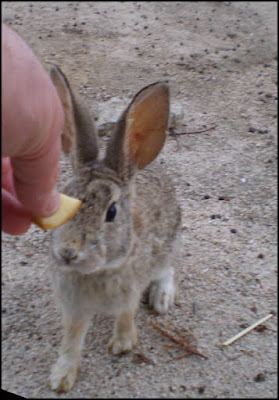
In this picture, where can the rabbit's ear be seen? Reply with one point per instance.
(79, 135)
(141, 131)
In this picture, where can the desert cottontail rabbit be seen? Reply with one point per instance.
(125, 236)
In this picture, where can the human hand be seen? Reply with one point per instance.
(32, 120)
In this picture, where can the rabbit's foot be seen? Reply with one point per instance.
(63, 375)
(162, 292)
(125, 334)
(122, 344)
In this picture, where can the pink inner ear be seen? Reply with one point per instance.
(145, 148)
(148, 120)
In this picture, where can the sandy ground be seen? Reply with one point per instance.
(221, 63)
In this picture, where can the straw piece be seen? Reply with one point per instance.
(242, 333)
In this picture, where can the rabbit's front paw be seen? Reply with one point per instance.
(122, 344)
(63, 375)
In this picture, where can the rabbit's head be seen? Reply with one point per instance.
(101, 234)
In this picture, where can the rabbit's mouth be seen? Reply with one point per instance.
(84, 264)
(111, 265)
(92, 268)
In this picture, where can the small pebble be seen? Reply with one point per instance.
(201, 389)
(259, 378)
(214, 216)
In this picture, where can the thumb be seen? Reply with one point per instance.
(15, 218)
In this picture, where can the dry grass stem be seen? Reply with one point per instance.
(143, 358)
(245, 331)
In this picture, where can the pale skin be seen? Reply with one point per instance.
(32, 121)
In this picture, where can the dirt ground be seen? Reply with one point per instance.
(220, 59)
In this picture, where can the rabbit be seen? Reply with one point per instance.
(125, 237)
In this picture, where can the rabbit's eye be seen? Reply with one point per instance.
(111, 213)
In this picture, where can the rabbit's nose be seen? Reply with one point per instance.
(68, 254)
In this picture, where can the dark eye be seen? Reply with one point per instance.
(111, 213)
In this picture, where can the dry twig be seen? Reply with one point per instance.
(179, 340)
(174, 133)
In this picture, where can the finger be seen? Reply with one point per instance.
(15, 218)
(35, 178)
(32, 123)
(7, 175)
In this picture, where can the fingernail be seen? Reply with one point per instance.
(53, 203)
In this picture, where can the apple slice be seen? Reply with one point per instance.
(68, 208)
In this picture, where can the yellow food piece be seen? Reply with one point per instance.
(68, 208)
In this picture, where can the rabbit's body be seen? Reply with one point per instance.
(122, 275)
(126, 234)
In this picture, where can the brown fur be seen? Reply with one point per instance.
(105, 266)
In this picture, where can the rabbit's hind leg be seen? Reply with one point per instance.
(162, 290)
(64, 371)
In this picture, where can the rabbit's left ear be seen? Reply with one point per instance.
(141, 130)
(79, 136)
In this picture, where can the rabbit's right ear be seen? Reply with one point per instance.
(140, 132)
(79, 135)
